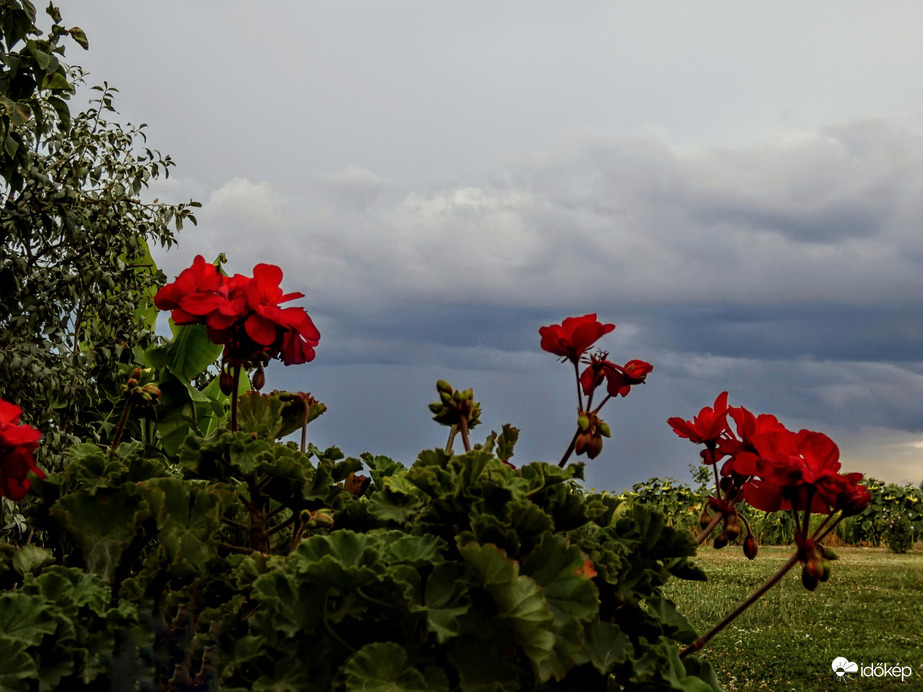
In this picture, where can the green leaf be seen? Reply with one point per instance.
(30, 558)
(446, 599)
(24, 618)
(605, 645)
(16, 665)
(191, 351)
(383, 667)
(55, 80)
(80, 37)
(103, 525)
(518, 599)
(188, 517)
(675, 625)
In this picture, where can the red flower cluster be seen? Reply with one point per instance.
(17, 442)
(619, 379)
(770, 466)
(570, 340)
(242, 313)
(574, 336)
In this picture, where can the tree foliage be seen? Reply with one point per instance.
(75, 263)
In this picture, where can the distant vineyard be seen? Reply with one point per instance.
(894, 518)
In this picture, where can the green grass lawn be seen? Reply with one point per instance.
(871, 611)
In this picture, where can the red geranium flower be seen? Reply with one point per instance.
(743, 449)
(243, 313)
(17, 442)
(801, 471)
(619, 378)
(574, 336)
(195, 293)
(706, 428)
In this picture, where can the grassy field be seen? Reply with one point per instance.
(871, 611)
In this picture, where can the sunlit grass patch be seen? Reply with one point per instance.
(871, 611)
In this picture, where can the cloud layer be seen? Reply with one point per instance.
(788, 271)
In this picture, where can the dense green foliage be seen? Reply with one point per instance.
(458, 572)
(75, 270)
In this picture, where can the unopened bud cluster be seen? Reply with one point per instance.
(140, 394)
(455, 405)
(591, 430)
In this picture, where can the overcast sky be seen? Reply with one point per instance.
(738, 186)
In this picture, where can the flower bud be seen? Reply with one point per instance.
(808, 581)
(443, 387)
(604, 429)
(704, 519)
(732, 527)
(750, 547)
(583, 423)
(720, 541)
(322, 517)
(136, 374)
(226, 383)
(588, 444)
(259, 379)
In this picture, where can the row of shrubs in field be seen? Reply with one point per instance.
(894, 518)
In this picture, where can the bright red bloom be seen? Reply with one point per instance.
(17, 442)
(800, 471)
(619, 378)
(706, 428)
(196, 292)
(243, 313)
(620, 382)
(574, 336)
(745, 458)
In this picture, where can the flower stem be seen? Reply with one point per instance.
(304, 424)
(707, 531)
(570, 449)
(234, 397)
(579, 393)
(768, 584)
(463, 428)
(120, 428)
(453, 431)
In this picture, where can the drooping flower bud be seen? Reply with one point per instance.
(259, 378)
(732, 527)
(226, 383)
(750, 547)
(720, 541)
(808, 581)
(704, 519)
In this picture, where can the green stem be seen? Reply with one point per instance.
(234, 397)
(304, 425)
(451, 441)
(121, 427)
(768, 584)
(570, 449)
(463, 428)
(579, 393)
(601, 403)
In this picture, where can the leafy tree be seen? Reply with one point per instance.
(76, 274)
